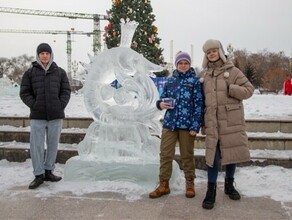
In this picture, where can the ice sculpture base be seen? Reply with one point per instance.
(144, 174)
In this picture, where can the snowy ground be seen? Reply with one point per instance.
(257, 107)
(271, 181)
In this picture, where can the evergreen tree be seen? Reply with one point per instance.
(250, 73)
(145, 40)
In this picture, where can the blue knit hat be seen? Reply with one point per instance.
(182, 56)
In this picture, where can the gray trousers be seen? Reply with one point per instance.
(41, 131)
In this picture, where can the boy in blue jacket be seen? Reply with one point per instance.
(182, 122)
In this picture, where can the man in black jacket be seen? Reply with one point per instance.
(45, 89)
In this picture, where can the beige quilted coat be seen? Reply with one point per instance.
(225, 86)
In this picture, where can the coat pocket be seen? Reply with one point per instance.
(234, 114)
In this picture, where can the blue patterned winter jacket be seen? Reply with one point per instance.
(187, 113)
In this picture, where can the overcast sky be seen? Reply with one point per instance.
(253, 25)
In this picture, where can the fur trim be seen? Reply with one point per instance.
(222, 55)
(205, 61)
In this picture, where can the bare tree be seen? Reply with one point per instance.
(4, 66)
(230, 50)
(256, 65)
(273, 79)
(16, 66)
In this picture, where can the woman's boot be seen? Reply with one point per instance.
(162, 189)
(210, 197)
(230, 190)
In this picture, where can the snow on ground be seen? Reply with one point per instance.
(253, 181)
(257, 107)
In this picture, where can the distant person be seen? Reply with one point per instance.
(182, 122)
(225, 86)
(287, 86)
(45, 89)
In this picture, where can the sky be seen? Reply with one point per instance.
(253, 181)
(251, 25)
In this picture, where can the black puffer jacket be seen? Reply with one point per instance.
(45, 93)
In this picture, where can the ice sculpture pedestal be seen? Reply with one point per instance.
(145, 175)
(90, 170)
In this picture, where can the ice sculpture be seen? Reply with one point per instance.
(7, 87)
(121, 144)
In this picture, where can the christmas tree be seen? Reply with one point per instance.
(145, 40)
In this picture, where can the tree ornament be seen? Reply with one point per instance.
(151, 39)
(134, 44)
(117, 2)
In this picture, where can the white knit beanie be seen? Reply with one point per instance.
(213, 44)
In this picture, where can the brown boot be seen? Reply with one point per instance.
(190, 187)
(162, 189)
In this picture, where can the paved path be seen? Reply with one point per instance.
(26, 205)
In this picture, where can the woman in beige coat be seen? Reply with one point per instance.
(225, 86)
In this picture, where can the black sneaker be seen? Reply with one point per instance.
(39, 179)
(49, 176)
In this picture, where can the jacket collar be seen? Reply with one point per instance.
(217, 64)
(190, 72)
(52, 67)
(219, 67)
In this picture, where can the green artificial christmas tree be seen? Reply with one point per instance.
(145, 40)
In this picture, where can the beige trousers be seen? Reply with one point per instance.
(167, 152)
